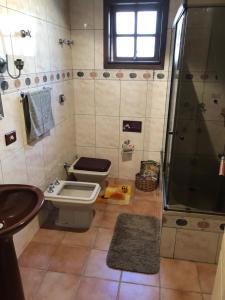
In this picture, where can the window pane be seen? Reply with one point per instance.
(146, 22)
(145, 47)
(125, 22)
(125, 47)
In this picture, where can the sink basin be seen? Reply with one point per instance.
(19, 204)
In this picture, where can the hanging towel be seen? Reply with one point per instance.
(38, 114)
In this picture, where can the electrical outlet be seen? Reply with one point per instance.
(10, 137)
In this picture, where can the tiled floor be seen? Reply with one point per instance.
(59, 265)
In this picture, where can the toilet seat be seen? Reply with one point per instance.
(92, 164)
(88, 169)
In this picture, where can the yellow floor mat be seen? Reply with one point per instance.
(119, 194)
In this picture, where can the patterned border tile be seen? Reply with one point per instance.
(194, 223)
(9, 85)
(143, 75)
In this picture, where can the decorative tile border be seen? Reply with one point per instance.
(132, 75)
(201, 76)
(195, 223)
(9, 85)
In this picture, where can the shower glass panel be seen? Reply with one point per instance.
(195, 136)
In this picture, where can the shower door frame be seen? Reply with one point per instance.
(170, 133)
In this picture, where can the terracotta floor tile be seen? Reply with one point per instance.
(130, 291)
(97, 218)
(37, 255)
(179, 275)
(141, 278)
(31, 279)
(86, 238)
(96, 266)
(69, 259)
(119, 208)
(57, 286)
(145, 195)
(206, 297)
(167, 294)
(100, 206)
(97, 289)
(109, 220)
(206, 273)
(53, 237)
(103, 239)
(148, 208)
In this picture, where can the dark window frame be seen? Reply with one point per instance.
(110, 9)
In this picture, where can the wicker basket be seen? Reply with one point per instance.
(146, 184)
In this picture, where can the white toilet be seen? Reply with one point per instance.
(75, 199)
(75, 202)
(91, 169)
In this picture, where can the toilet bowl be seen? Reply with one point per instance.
(75, 202)
(90, 169)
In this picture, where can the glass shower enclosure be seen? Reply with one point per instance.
(195, 133)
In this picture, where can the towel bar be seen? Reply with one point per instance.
(24, 94)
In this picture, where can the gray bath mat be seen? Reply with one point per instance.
(135, 244)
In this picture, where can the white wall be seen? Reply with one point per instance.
(39, 164)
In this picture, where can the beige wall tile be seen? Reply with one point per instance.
(84, 97)
(60, 56)
(157, 99)
(21, 6)
(167, 245)
(129, 164)
(83, 49)
(42, 54)
(112, 155)
(107, 97)
(153, 134)
(58, 12)
(14, 168)
(13, 120)
(107, 132)
(86, 151)
(82, 14)
(99, 49)
(152, 155)
(133, 98)
(5, 44)
(51, 156)
(3, 2)
(98, 14)
(196, 245)
(23, 48)
(35, 164)
(63, 112)
(85, 130)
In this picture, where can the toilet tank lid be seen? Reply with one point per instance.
(92, 164)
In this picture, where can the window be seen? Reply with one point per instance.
(135, 33)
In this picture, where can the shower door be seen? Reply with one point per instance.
(195, 136)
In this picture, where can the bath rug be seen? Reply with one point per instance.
(135, 245)
(116, 194)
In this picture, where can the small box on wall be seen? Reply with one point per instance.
(132, 126)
